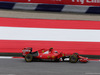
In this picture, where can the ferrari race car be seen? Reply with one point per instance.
(51, 55)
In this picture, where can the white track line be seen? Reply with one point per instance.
(49, 34)
(5, 57)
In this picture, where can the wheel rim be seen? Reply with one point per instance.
(73, 59)
(28, 58)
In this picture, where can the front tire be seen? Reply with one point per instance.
(28, 58)
(73, 59)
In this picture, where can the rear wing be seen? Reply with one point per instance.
(26, 51)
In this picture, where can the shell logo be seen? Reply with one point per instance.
(53, 56)
(48, 56)
(62, 54)
(42, 51)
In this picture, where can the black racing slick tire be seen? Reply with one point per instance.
(73, 58)
(28, 58)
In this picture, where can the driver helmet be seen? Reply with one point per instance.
(51, 49)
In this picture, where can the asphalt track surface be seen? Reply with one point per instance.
(20, 67)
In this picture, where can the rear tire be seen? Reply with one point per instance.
(73, 58)
(28, 58)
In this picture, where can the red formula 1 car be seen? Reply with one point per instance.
(51, 55)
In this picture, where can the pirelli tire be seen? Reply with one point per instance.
(73, 59)
(29, 58)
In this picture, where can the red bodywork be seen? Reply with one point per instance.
(52, 55)
(83, 59)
